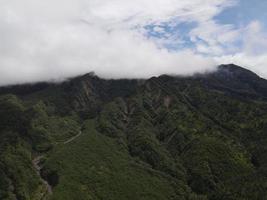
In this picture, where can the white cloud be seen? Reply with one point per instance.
(253, 52)
(255, 39)
(54, 39)
(215, 39)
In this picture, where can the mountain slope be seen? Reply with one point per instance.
(200, 137)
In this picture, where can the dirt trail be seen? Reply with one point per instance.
(36, 164)
(73, 138)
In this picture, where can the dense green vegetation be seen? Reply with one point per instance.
(201, 137)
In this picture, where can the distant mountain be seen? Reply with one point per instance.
(167, 137)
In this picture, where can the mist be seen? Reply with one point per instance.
(55, 39)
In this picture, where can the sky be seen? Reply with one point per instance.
(55, 39)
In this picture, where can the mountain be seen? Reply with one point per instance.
(165, 138)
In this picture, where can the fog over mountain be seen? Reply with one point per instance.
(55, 39)
(133, 100)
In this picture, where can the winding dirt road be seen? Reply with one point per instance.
(73, 138)
(36, 164)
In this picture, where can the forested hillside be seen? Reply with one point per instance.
(166, 138)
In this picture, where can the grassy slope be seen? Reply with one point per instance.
(96, 167)
(164, 140)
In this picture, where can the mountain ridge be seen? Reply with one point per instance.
(91, 75)
(167, 137)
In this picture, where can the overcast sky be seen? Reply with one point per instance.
(54, 39)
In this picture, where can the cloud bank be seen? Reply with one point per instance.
(55, 39)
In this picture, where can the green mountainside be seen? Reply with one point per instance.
(166, 138)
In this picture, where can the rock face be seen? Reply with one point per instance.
(200, 137)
